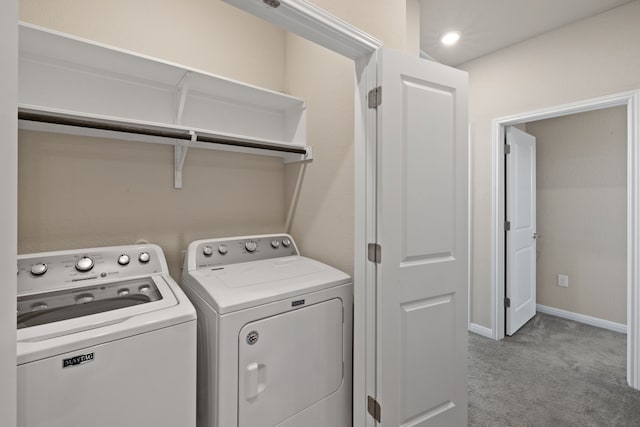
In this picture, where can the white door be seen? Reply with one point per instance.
(521, 233)
(421, 356)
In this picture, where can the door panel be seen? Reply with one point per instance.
(427, 208)
(424, 397)
(521, 243)
(144, 380)
(422, 228)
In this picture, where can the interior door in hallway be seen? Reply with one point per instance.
(422, 194)
(520, 305)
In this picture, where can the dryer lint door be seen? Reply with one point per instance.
(288, 362)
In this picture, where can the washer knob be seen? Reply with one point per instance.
(275, 244)
(39, 269)
(207, 251)
(286, 242)
(124, 259)
(251, 246)
(144, 257)
(84, 264)
(222, 249)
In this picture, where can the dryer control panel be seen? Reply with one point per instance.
(234, 250)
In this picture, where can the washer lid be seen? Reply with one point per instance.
(238, 286)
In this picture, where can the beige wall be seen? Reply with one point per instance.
(581, 212)
(591, 58)
(76, 192)
(321, 212)
(224, 193)
(80, 192)
(413, 27)
(204, 34)
(322, 216)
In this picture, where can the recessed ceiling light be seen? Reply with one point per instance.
(450, 38)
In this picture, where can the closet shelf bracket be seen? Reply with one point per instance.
(182, 91)
(181, 148)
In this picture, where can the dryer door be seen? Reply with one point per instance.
(288, 362)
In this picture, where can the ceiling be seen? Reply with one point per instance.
(490, 25)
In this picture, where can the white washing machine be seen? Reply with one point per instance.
(105, 339)
(274, 334)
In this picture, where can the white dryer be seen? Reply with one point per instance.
(105, 338)
(274, 334)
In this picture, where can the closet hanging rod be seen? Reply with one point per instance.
(148, 130)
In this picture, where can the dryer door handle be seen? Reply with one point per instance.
(254, 379)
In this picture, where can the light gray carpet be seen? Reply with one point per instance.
(553, 372)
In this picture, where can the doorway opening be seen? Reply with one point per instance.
(629, 100)
(566, 248)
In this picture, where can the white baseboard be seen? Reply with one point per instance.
(480, 330)
(593, 321)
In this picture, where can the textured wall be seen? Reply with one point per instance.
(582, 212)
(594, 57)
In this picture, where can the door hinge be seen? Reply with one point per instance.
(374, 253)
(375, 97)
(507, 225)
(272, 3)
(507, 302)
(507, 149)
(373, 407)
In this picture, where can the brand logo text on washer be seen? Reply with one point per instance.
(77, 360)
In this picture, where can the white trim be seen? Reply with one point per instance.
(364, 343)
(9, 208)
(631, 100)
(313, 23)
(469, 219)
(582, 318)
(633, 242)
(481, 330)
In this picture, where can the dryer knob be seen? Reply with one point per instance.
(286, 242)
(275, 244)
(251, 246)
(144, 257)
(222, 249)
(84, 264)
(124, 259)
(207, 251)
(39, 269)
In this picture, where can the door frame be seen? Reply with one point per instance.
(9, 210)
(631, 100)
(317, 25)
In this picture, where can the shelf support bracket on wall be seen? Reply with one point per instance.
(181, 148)
(182, 91)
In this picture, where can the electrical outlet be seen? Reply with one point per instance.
(563, 280)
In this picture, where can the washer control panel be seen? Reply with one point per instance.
(225, 251)
(50, 270)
